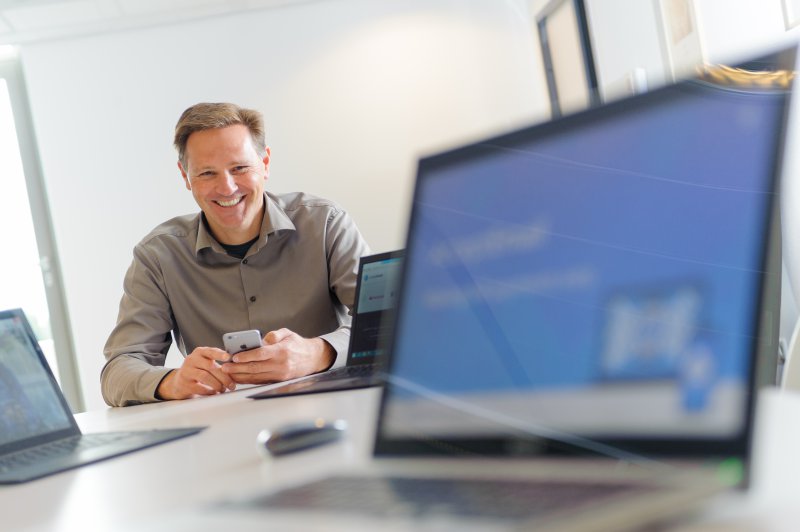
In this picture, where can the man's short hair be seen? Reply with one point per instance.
(204, 116)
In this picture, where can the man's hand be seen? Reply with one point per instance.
(199, 374)
(285, 355)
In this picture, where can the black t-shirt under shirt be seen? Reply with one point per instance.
(238, 250)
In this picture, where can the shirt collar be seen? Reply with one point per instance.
(274, 220)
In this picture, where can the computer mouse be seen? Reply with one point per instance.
(300, 436)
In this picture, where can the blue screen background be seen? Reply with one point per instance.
(517, 248)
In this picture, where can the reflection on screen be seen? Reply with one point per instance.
(28, 404)
(377, 297)
(378, 289)
(602, 279)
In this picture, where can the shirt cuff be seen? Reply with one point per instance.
(155, 391)
(340, 341)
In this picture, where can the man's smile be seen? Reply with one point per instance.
(230, 202)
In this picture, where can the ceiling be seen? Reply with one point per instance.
(25, 21)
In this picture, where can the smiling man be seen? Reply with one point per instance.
(283, 264)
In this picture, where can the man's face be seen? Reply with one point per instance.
(226, 176)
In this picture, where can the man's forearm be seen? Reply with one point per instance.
(127, 380)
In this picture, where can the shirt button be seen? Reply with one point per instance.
(244, 261)
(253, 298)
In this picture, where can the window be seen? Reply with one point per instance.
(29, 275)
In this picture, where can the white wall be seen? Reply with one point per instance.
(625, 35)
(352, 91)
(619, 51)
(734, 30)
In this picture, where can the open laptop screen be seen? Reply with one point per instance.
(29, 405)
(598, 275)
(377, 298)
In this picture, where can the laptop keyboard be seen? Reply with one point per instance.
(426, 497)
(59, 448)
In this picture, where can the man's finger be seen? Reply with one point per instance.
(274, 337)
(212, 353)
(256, 378)
(209, 373)
(250, 372)
(198, 388)
(206, 379)
(253, 355)
(223, 378)
(250, 368)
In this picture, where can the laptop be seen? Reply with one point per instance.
(370, 330)
(38, 433)
(577, 329)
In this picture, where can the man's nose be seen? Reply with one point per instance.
(226, 184)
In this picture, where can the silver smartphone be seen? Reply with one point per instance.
(241, 340)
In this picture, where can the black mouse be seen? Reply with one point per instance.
(299, 436)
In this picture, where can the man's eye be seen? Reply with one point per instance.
(239, 169)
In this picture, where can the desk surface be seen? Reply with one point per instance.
(223, 462)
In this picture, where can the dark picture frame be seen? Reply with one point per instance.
(565, 41)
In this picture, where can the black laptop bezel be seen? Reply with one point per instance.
(73, 429)
(308, 385)
(736, 446)
(388, 314)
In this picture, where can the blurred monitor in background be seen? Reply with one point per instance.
(601, 275)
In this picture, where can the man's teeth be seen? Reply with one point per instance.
(230, 203)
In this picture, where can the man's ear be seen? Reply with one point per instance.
(267, 155)
(185, 176)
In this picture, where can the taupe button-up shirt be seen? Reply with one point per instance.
(299, 274)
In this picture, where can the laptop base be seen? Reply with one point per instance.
(76, 451)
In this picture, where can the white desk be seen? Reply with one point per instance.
(220, 461)
(223, 461)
